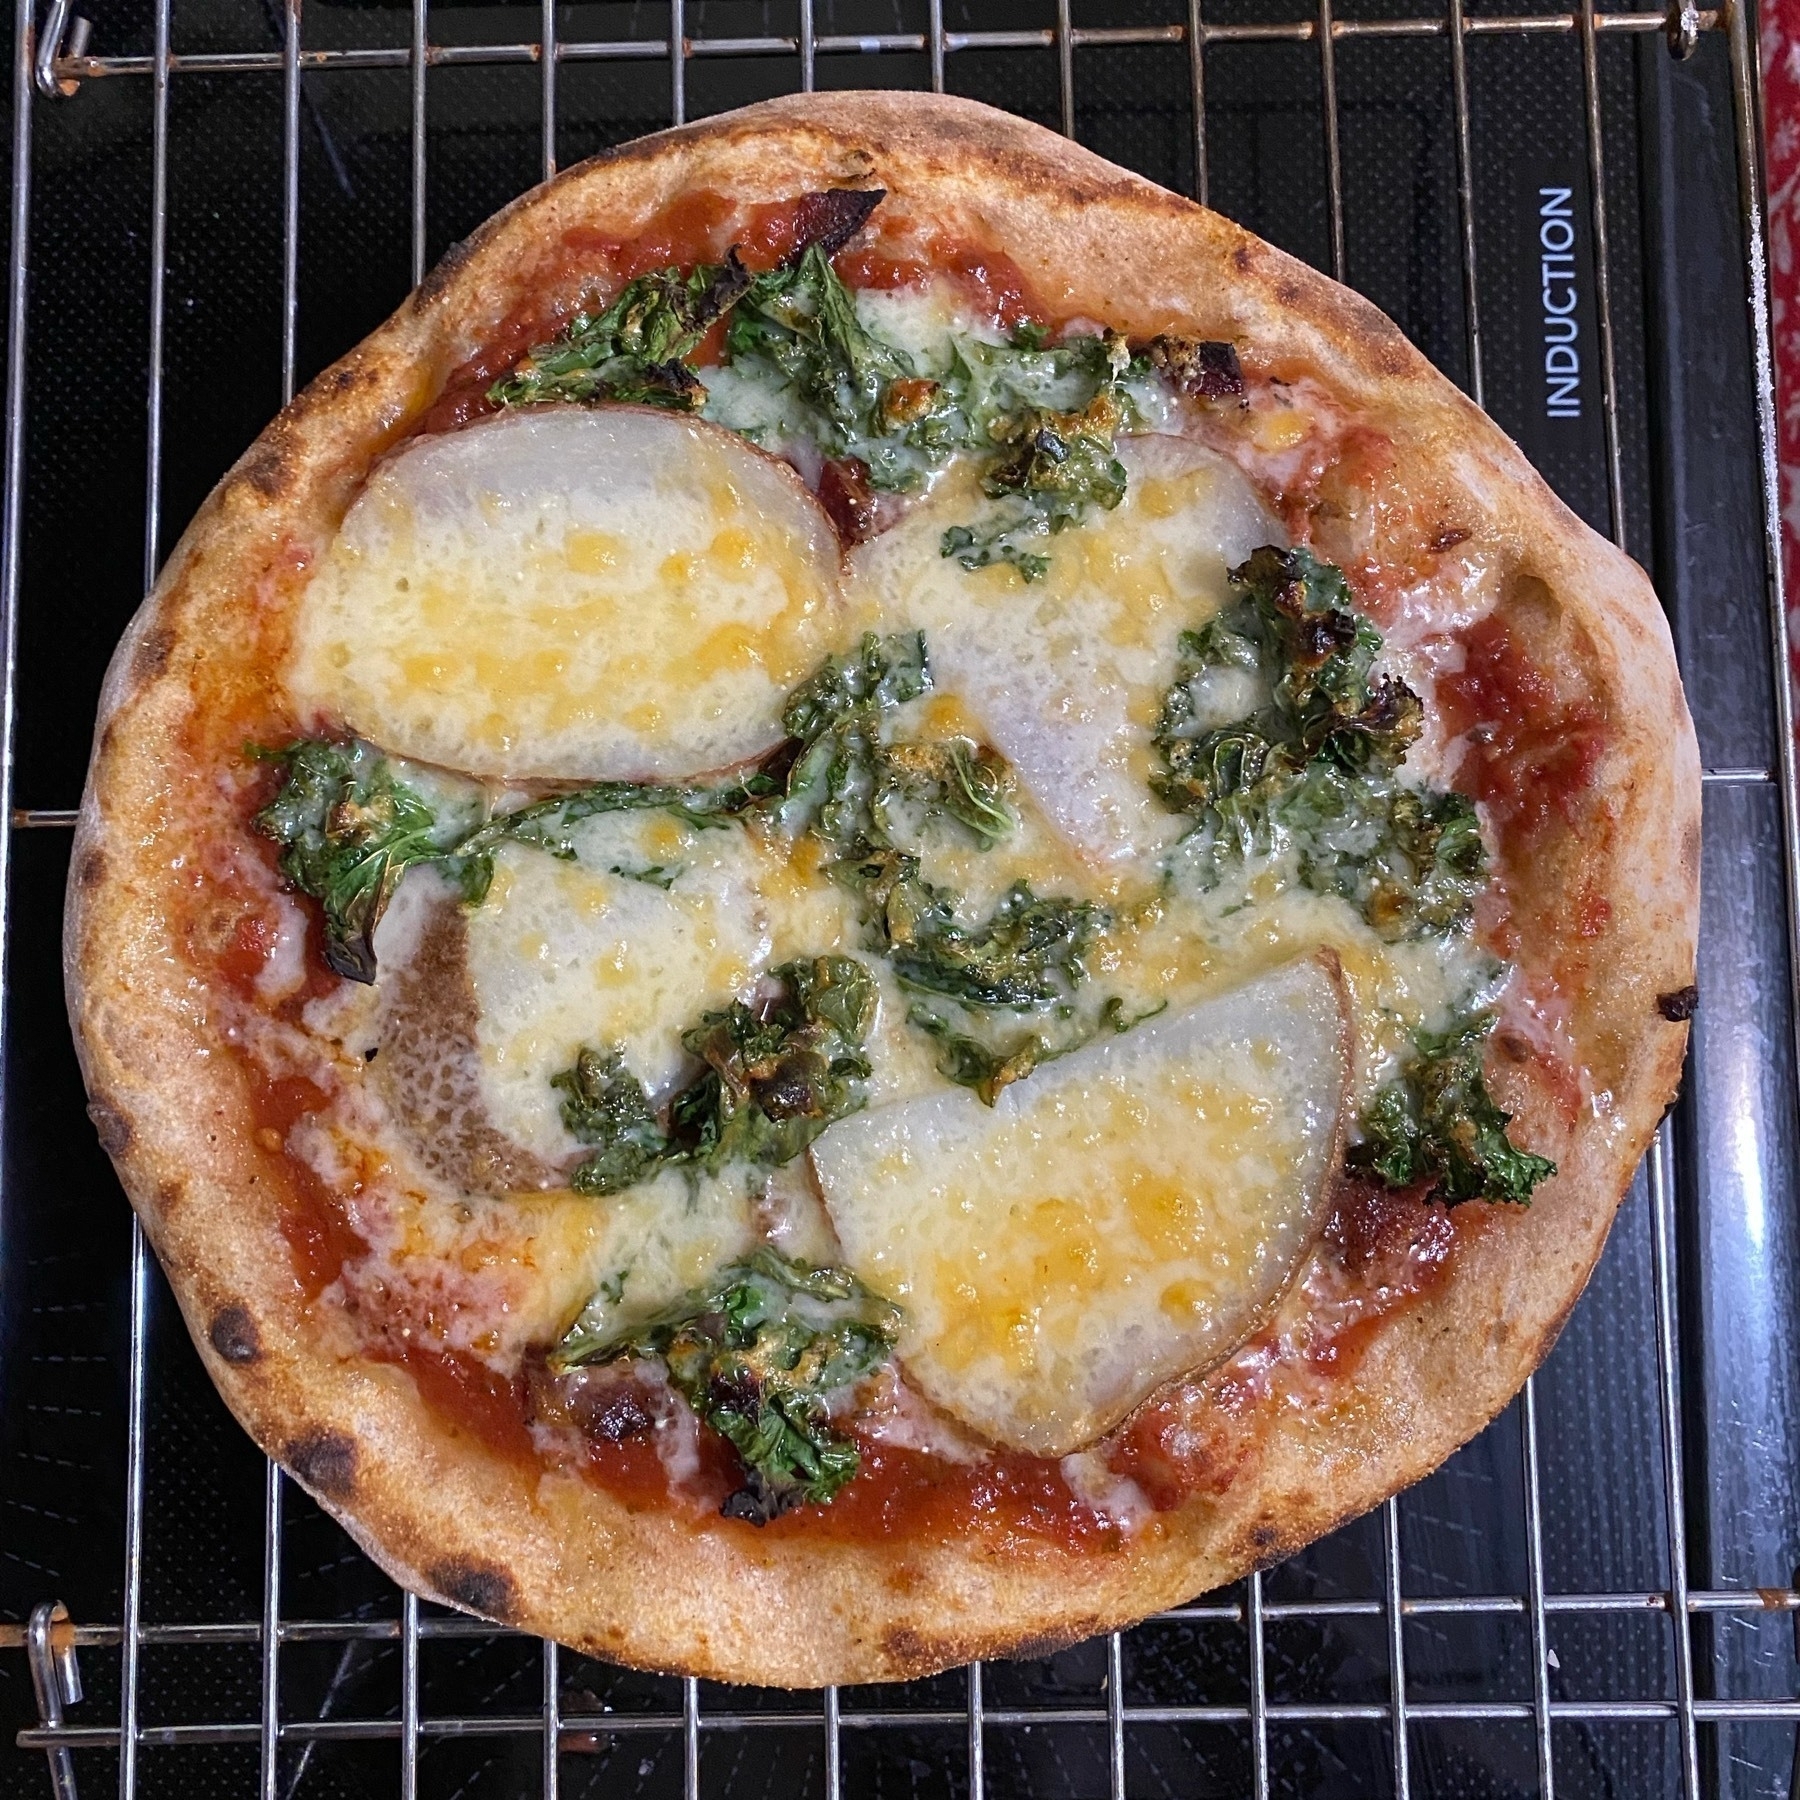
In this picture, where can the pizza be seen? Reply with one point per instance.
(878, 902)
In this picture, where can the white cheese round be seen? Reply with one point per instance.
(571, 594)
(1124, 1216)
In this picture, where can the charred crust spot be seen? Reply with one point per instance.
(324, 1461)
(1051, 1643)
(906, 1650)
(1448, 537)
(111, 1125)
(1240, 259)
(476, 1587)
(234, 1336)
(1678, 1006)
(446, 270)
(268, 472)
(93, 869)
(154, 649)
(169, 1195)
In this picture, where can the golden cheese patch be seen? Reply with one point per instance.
(571, 594)
(1125, 1215)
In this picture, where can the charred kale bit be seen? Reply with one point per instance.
(1204, 370)
(349, 828)
(606, 1106)
(774, 1077)
(1276, 733)
(989, 1068)
(756, 1354)
(1437, 1124)
(633, 350)
(951, 777)
(350, 825)
(778, 1074)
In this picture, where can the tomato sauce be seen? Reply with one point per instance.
(1533, 751)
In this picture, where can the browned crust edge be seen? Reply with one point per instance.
(554, 1555)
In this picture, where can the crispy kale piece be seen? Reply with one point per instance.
(778, 1074)
(349, 828)
(954, 778)
(801, 323)
(1276, 732)
(833, 721)
(858, 793)
(605, 1105)
(351, 824)
(991, 1062)
(774, 1077)
(1436, 1123)
(756, 1354)
(1051, 417)
(1029, 952)
(634, 349)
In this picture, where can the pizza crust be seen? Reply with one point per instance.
(555, 1555)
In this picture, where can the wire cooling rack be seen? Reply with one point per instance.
(1598, 1596)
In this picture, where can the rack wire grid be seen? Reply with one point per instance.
(1598, 1596)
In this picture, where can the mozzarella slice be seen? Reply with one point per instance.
(571, 594)
(1124, 1216)
(1066, 675)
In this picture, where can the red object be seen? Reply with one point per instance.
(1781, 102)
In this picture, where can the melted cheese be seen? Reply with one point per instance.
(1123, 1216)
(571, 594)
(1066, 675)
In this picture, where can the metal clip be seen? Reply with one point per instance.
(56, 1675)
(51, 50)
(1681, 28)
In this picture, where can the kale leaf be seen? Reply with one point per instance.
(1276, 732)
(1437, 1123)
(833, 721)
(774, 1076)
(756, 1354)
(800, 323)
(989, 1064)
(350, 825)
(778, 1074)
(634, 349)
(606, 1106)
(349, 828)
(952, 777)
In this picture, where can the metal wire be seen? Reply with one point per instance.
(52, 1652)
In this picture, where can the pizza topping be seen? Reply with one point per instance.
(1276, 732)
(757, 1354)
(1064, 676)
(351, 822)
(349, 828)
(571, 594)
(775, 1075)
(1437, 1127)
(634, 350)
(1126, 1216)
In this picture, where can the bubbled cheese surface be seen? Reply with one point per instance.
(1123, 1216)
(1065, 675)
(571, 594)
